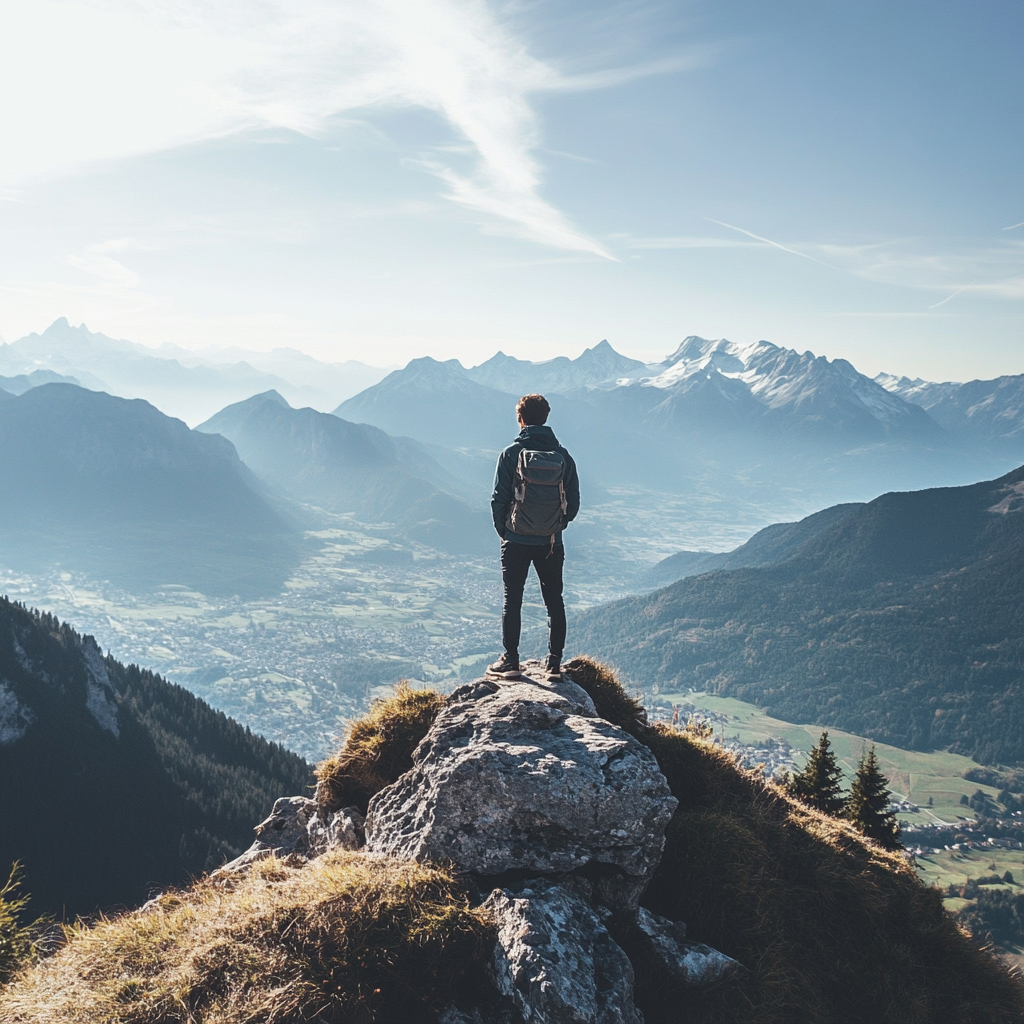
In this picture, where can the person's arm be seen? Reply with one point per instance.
(501, 496)
(571, 481)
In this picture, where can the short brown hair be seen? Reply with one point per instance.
(533, 410)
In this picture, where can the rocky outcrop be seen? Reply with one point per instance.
(294, 829)
(524, 777)
(559, 817)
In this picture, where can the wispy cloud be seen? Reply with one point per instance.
(982, 267)
(993, 268)
(135, 76)
(98, 262)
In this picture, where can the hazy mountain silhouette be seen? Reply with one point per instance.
(435, 402)
(115, 781)
(192, 389)
(729, 418)
(595, 365)
(773, 544)
(441, 404)
(902, 621)
(114, 487)
(352, 467)
(23, 382)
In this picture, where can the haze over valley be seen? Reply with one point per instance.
(283, 557)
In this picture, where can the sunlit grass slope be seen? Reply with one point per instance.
(348, 938)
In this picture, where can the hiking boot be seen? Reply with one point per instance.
(506, 667)
(552, 668)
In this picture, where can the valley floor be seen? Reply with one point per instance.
(364, 610)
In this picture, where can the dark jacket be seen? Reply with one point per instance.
(538, 439)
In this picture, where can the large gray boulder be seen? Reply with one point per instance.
(555, 960)
(523, 776)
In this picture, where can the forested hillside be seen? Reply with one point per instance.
(114, 780)
(904, 621)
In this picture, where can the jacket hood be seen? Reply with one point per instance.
(537, 432)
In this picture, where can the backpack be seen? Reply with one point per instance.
(538, 506)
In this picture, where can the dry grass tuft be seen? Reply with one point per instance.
(348, 938)
(610, 698)
(832, 926)
(378, 748)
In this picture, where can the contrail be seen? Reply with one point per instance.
(1012, 226)
(948, 297)
(767, 241)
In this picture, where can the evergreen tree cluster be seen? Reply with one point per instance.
(99, 820)
(819, 785)
(997, 916)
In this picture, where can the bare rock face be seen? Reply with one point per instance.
(555, 960)
(523, 776)
(293, 829)
(342, 830)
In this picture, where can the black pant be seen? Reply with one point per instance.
(515, 567)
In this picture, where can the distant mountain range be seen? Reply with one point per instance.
(116, 782)
(901, 619)
(596, 365)
(991, 411)
(26, 381)
(116, 488)
(186, 384)
(739, 419)
(318, 458)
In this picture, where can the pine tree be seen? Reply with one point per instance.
(818, 785)
(869, 804)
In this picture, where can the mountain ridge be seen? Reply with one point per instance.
(341, 466)
(902, 621)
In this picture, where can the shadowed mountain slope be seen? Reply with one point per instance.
(321, 459)
(115, 487)
(115, 781)
(903, 621)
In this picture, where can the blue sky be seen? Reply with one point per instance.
(381, 179)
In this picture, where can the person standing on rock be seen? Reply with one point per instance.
(536, 495)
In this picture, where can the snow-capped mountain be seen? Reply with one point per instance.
(780, 387)
(992, 410)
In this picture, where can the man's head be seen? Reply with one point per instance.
(532, 410)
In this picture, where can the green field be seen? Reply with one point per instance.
(913, 775)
